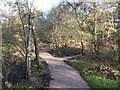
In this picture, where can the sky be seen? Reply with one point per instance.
(46, 5)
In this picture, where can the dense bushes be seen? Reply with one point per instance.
(65, 51)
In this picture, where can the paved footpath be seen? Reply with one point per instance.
(64, 76)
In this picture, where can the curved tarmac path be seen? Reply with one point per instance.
(63, 75)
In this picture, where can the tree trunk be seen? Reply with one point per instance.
(119, 33)
(95, 32)
(36, 46)
(22, 24)
(82, 47)
(82, 44)
(28, 53)
(79, 24)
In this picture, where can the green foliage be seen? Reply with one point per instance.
(99, 82)
(42, 69)
(93, 76)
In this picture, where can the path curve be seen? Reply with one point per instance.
(64, 76)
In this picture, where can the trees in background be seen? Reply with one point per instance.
(90, 24)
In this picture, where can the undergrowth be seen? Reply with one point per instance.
(94, 72)
(40, 77)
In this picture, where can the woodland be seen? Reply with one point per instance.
(91, 29)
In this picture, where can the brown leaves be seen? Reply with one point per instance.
(105, 71)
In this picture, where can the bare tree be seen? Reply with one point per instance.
(95, 32)
(22, 24)
(28, 37)
(29, 42)
(79, 24)
(36, 46)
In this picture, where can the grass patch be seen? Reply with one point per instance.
(99, 82)
(88, 70)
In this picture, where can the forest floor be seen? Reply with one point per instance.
(63, 75)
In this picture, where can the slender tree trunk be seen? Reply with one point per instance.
(95, 31)
(22, 23)
(28, 53)
(82, 47)
(36, 46)
(79, 24)
(81, 41)
(119, 33)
